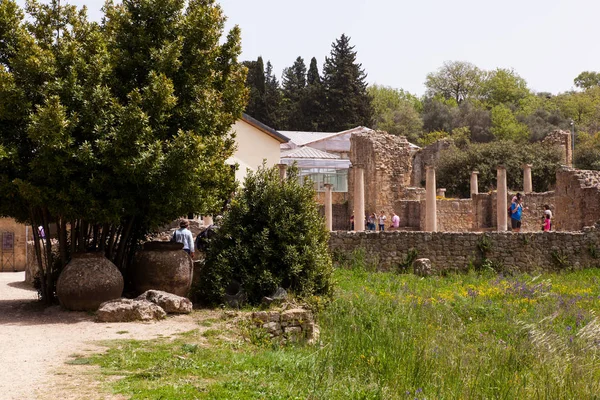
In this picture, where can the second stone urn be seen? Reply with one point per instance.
(163, 266)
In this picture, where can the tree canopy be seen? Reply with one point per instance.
(115, 128)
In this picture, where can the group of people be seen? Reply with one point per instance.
(372, 221)
(515, 211)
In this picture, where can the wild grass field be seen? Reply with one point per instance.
(393, 336)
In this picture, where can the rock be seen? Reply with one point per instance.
(266, 300)
(127, 310)
(272, 327)
(422, 267)
(280, 294)
(169, 302)
(296, 316)
(236, 300)
(87, 281)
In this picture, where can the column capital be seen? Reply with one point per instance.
(526, 166)
(501, 166)
(328, 185)
(475, 172)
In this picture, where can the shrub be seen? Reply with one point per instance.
(271, 236)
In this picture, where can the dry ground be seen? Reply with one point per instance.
(35, 343)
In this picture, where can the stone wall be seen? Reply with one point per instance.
(563, 140)
(577, 199)
(387, 163)
(427, 156)
(453, 215)
(294, 325)
(409, 212)
(13, 252)
(341, 216)
(527, 252)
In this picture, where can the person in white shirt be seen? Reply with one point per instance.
(382, 219)
(183, 235)
(395, 221)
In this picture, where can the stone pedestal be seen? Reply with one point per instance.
(359, 199)
(527, 185)
(282, 171)
(430, 201)
(441, 193)
(328, 207)
(474, 183)
(501, 200)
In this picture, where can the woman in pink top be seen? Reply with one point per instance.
(547, 223)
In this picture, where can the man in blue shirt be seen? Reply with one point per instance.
(183, 235)
(516, 209)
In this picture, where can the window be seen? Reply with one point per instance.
(320, 176)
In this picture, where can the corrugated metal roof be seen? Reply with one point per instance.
(301, 138)
(308, 152)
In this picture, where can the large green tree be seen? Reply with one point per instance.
(112, 129)
(587, 79)
(457, 80)
(347, 103)
(396, 112)
(293, 88)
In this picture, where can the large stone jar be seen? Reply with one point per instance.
(163, 266)
(88, 280)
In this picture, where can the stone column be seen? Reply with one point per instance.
(441, 192)
(527, 185)
(430, 201)
(359, 199)
(501, 200)
(282, 171)
(474, 184)
(328, 207)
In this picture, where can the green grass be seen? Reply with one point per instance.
(390, 336)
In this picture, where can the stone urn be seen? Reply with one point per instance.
(87, 281)
(163, 266)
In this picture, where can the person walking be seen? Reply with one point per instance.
(382, 219)
(516, 209)
(548, 213)
(183, 235)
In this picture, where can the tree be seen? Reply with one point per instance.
(313, 100)
(395, 111)
(273, 110)
(505, 125)
(112, 130)
(293, 93)
(456, 80)
(587, 80)
(347, 102)
(438, 115)
(272, 236)
(255, 82)
(504, 86)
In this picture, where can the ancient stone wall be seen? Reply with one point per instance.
(340, 215)
(386, 160)
(453, 215)
(577, 199)
(409, 212)
(427, 156)
(528, 252)
(13, 245)
(563, 140)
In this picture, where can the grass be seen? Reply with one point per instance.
(392, 336)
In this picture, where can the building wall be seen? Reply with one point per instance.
(253, 146)
(449, 251)
(14, 259)
(577, 199)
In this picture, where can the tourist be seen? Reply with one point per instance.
(382, 219)
(395, 221)
(547, 223)
(183, 235)
(352, 222)
(548, 213)
(371, 222)
(516, 209)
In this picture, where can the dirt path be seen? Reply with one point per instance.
(35, 342)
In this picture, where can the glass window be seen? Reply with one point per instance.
(320, 176)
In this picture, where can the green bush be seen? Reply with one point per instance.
(455, 165)
(271, 236)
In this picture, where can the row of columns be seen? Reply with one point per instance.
(430, 197)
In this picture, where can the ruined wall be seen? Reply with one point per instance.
(453, 215)
(387, 163)
(531, 219)
(409, 212)
(13, 252)
(563, 140)
(577, 199)
(527, 252)
(340, 216)
(336, 197)
(427, 156)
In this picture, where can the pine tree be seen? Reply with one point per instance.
(313, 99)
(293, 88)
(348, 103)
(272, 99)
(255, 82)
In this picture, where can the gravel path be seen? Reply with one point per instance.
(35, 342)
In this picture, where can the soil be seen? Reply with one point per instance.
(37, 341)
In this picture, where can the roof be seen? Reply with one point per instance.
(266, 129)
(301, 138)
(308, 152)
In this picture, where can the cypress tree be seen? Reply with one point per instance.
(272, 99)
(255, 82)
(313, 99)
(347, 103)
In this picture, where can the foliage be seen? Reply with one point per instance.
(116, 128)
(587, 151)
(504, 86)
(265, 103)
(587, 80)
(457, 80)
(271, 236)
(455, 166)
(347, 102)
(396, 112)
(505, 125)
(390, 336)
(293, 92)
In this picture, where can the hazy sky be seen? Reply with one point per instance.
(547, 42)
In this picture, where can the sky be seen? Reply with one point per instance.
(398, 42)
